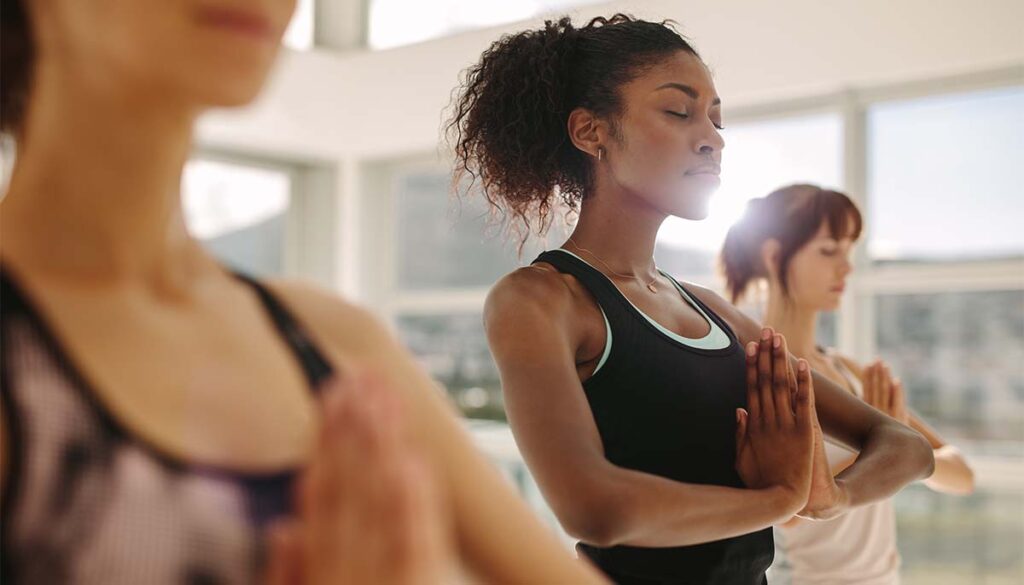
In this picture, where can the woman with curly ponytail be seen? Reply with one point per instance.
(797, 242)
(659, 443)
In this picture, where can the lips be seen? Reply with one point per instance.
(706, 169)
(238, 21)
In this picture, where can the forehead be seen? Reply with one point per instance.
(679, 68)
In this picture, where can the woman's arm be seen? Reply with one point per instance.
(499, 539)
(529, 324)
(952, 473)
(891, 455)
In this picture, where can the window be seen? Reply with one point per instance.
(959, 356)
(947, 165)
(948, 540)
(446, 243)
(453, 348)
(759, 157)
(394, 23)
(300, 32)
(448, 252)
(239, 212)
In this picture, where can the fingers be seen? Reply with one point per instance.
(888, 393)
(753, 392)
(899, 401)
(284, 562)
(871, 387)
(781, 375)
(804, 396)
(422, 550)
(341, 504)
(765, 377)
(370, 510)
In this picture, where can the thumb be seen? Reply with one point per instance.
(741, 429)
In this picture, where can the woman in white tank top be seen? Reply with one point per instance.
(798, 241)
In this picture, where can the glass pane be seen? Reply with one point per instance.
(945, 177)
(299, 35)
(453, 349)
(948, 540)
(759, 157)
(961, 359)
(447, 243)
(239, 212)
(394, 23)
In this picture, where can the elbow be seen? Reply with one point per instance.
(600, 522)
(923, 454)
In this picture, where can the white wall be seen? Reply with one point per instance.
(345, 108)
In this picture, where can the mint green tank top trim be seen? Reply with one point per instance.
(715, 338)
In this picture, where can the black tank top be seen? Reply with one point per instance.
(669, 409)
(88, 501)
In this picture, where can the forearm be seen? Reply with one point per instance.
(952, 473)
(891, 457)
(656, 512)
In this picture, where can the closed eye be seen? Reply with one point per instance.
(685, 116)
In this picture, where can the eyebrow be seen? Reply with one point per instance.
(688, 91)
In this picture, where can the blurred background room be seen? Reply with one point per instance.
(339, 175)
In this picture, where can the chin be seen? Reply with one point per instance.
(830, 305)
(229, 93)
(694, 209)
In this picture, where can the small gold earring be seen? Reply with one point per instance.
(600, 152)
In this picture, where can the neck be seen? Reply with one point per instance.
(797, 324)
(95, 188)
(623, 239)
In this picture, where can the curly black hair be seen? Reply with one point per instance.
(508, 126)
(17, 53)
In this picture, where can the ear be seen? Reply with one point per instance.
(586, 131)
(771, 250)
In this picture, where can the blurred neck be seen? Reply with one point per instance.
(798, 324)
(95, 187)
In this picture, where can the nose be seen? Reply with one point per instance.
(846, 267)
(711, 140)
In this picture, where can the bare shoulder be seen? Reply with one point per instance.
(531, 290)
(339, 325)
(850, 364)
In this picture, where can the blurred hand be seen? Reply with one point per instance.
(370, 510)
(884, 392)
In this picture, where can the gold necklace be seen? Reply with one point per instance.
(650, 285)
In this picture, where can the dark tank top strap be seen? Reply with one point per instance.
(608, 297)
(314, 364)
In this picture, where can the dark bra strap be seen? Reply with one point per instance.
(314, 364)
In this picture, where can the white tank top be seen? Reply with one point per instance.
(857, 548)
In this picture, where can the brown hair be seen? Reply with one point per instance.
(791, 215)
(17, 54)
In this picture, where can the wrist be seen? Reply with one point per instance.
(784, 501)
(839, 503)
